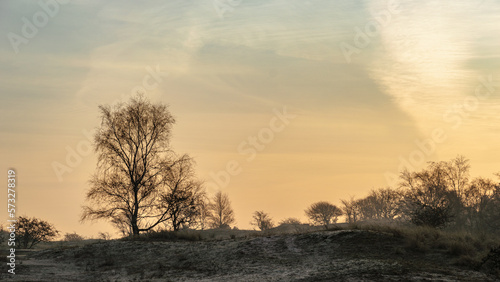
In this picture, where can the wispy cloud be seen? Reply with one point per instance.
(422, 58)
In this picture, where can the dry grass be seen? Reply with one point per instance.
(372, 252)
(182, 235)
(465, 248)
(197, 235)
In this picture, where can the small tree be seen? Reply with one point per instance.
(323, 213)
(221, 213)
(482, 205)
(183, 195)
(203, 215)
(428, 201)
(31, 231)
(383, 203)
(351, 210)
(262, 220)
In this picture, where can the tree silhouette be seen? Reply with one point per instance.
(221, 213)
(31, 231)
(262, 220)
(132, 186)
(482, 205)
(381, 203)
(323, 213)
(183, 195)
(428, 199)
(351, 209)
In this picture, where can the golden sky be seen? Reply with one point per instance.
(301, 100)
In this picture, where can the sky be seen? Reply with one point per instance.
(282, 103)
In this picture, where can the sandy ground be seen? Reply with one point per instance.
(346, 255)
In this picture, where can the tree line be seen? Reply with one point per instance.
(141, 184)
(441, 195)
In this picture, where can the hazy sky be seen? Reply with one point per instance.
(367, 87)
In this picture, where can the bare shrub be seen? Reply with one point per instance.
(290, 221)
(31, 231)
(73, 237)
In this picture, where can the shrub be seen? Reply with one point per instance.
(31, 231)
(73, 237)
(290, 221)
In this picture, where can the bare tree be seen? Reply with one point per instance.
(221, 213)
(482, 205)
(134, 165)
(121, 221)
(457, 174)
(183, 194)
(351, 209)
(262, 220)
(428, 199)
(443, 195)
(323, 213)
(203, 215)
(31, 231)
(380, 204)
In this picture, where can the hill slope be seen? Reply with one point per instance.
(344, 255)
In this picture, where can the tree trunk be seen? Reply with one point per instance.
(135, 228)
(175, 224)
(133, 221)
